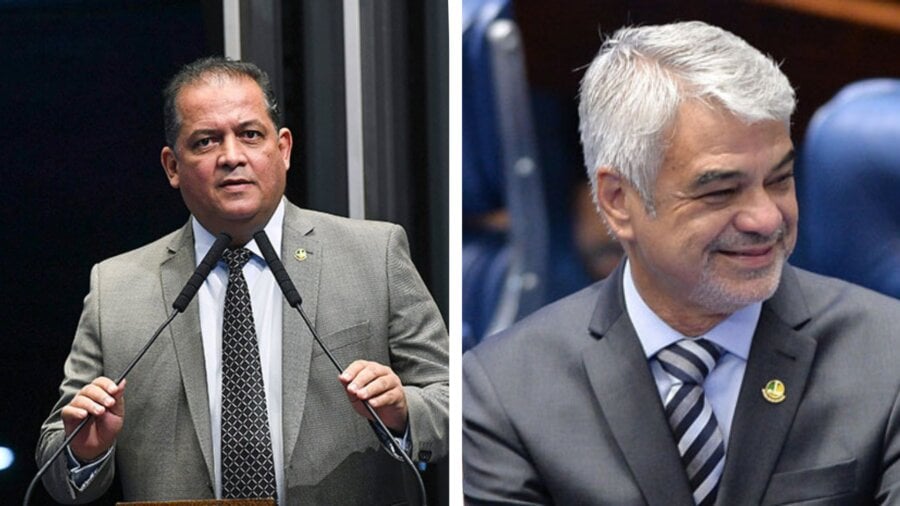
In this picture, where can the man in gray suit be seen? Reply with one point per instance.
(705, 369)
(228, 156)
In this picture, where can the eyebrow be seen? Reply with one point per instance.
(789, 157)
(714, 175)
(213, 131)
(251, 122)
(203, 131)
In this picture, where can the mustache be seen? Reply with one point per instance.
(733, 239)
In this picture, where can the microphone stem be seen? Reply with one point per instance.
(294, 300)
(380, 426)
(146, 347)
(84, 422)
(180, 304)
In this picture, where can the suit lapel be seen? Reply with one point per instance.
(760, 427)
(297, 342)
(621, 379)
(187, 340)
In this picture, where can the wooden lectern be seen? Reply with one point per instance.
(204, 502)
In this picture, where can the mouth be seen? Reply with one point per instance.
(753, 257)
(749, 252)
(236, 184)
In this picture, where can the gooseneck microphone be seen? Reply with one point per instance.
(181, 302)
(294, 300)
(201, 272)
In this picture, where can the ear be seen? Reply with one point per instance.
(613, 192)
(285, 142)
(170, 165)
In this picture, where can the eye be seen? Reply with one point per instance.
(782, 179)
(717, 196)
(252, 134)
(202, 143)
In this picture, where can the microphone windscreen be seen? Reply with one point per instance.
(278, 270)
(201, 272)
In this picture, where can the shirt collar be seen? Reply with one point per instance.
(734, 334)
(203, 239)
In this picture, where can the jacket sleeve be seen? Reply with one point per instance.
(419, 354)
(496, 466)
(83, 365)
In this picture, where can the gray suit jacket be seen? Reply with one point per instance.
(366, 300)
(562, 408)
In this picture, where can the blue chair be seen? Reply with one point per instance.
(849, 187)
(504, 271)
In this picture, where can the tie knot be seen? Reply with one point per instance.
(236, 258)
(690, 360)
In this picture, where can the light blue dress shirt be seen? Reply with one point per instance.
(734, 335)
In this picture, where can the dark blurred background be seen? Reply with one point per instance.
(82, 132)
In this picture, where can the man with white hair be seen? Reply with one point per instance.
(705, 369)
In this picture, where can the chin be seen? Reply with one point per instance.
(727, 294)
(239, 211)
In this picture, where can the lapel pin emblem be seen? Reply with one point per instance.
(774, 391)
(300, 254)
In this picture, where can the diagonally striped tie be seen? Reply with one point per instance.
(690, 415)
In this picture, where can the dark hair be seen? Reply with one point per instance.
(214, 66)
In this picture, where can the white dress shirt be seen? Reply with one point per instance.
(266, 299)
(734, 335)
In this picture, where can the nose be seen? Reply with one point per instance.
(760, 214)
(231, 154)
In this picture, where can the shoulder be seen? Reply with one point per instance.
(845, 317)
(328, 227)
(825, 295)
(148, 255)
(556, 333)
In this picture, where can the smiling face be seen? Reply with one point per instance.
(230, 162)
(725, 218)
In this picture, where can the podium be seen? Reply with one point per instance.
(204, 502)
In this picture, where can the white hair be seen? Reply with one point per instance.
(631, 93)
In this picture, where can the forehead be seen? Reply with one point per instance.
(217, 96)
(705, 137)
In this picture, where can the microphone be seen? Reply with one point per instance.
(294, 300)
(181, 302)
(201, 272)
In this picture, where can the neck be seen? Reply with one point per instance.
(679, 313)
(239, 240)
(687, 323)
(241, 232)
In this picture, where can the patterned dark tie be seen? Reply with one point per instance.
(690, 415)
(247, 466)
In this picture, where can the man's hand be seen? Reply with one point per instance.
(377, 384)
(106, 402)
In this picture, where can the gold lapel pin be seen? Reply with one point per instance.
(300, 254)
(774, 391)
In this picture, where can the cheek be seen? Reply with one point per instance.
(790, 211)
(791, 215)
(697, 231)
(195, 181)
(276, 173)
(191, 180)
